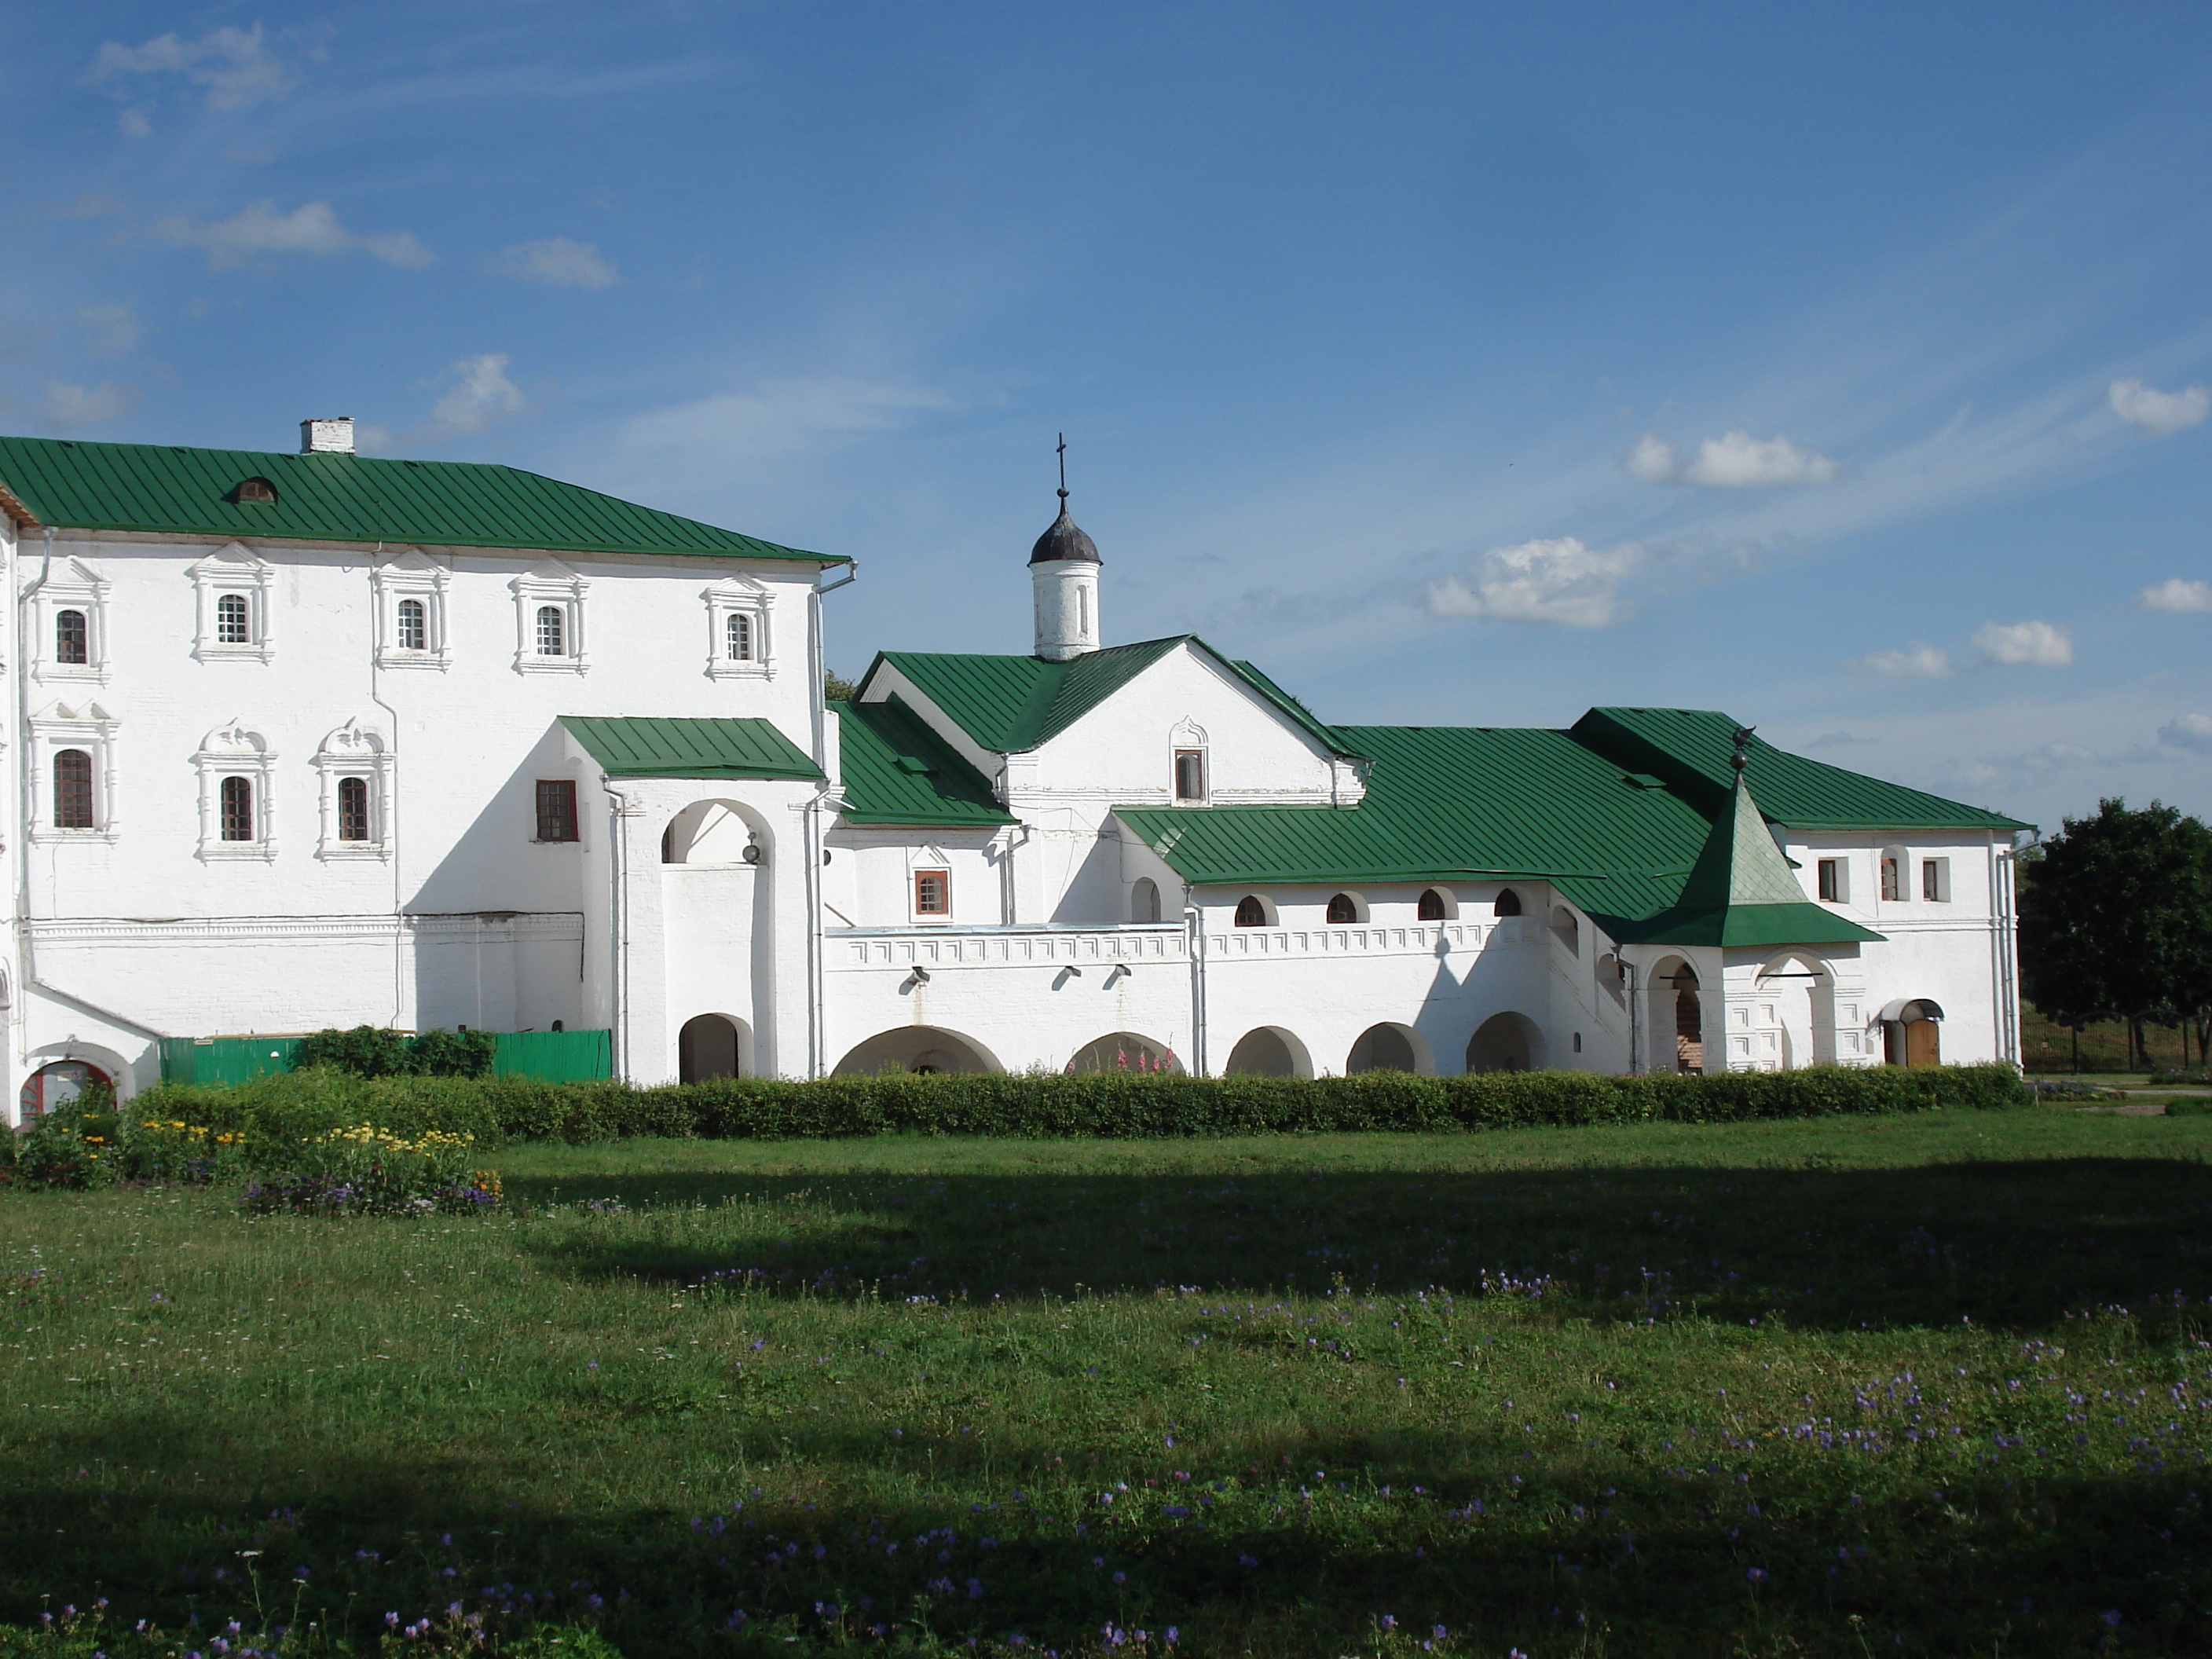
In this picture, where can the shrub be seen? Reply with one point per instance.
(80, 1144)
(371, 1051)
(1107, 1104)
(358, 1169)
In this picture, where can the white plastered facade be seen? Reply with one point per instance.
(1065, 937)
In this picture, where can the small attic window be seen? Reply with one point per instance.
(254, 490)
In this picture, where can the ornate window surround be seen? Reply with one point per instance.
(1190, 735)
(233, 570)
(739, 596)
(550, 583)
(92, 729)
(235, 751)
(354, 750)
(73, 585)
(411, 575)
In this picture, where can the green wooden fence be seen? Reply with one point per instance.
(556, 1056)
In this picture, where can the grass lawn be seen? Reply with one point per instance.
(1919, 1385)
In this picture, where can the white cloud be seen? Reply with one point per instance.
(77, 405)
(481, 394)
(1652, 459)
(133, 123)
(780, 419)
(2176, 593)
(1557, 582)
(2188, 732)
(1916, 661)
(2025, 644)
(2156, 413)
(557, 262)
(312, 228)
(1734, 460)
(233, 65)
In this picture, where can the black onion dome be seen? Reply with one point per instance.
(1064, 541)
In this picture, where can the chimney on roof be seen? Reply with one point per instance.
(333, 436)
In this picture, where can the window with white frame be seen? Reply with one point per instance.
(1935, 880)
(548, 614)
(232, 587)
(353, 767)
(236, 767)
(1188, 775)
(72, 755)
(411, 612)
(738, 632)
(70, 624)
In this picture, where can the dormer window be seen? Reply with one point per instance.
(1508, 904)
(255, 489)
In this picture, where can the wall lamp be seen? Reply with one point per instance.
(920, 976)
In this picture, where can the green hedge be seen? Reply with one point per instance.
(1107, 1105)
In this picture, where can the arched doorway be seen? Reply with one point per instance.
(923, 1049)
(1677, 1018)
(715, 832)
(1145, 900)
(709, 1046)
(1389, 1048)
(1268, 1051)
(1125, 1051)
(1505, 1042)
(1912, 1033)
(58, 1083)
(1804, 993)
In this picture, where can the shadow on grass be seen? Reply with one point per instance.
(2016, 1245)
(2031, 1553)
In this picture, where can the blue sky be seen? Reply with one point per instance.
(1843, 367)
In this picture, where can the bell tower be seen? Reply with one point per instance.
(1064, 583)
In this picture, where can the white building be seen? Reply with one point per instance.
(314, 739)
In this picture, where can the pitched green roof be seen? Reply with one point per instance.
(1009, 704)
(346, 498)
(627, 746)
(1690, 748)
(894, 769)
(1741, 892)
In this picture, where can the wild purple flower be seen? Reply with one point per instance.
(1120, 1577)
(1439, 1632)
(2112, 1617)
(1389, 1622)
(1756, 1574)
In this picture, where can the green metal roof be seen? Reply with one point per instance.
(1689, 748)
(1010, 704)
(894, 769)
(627, 746)
(1741, 892)
(346, 498)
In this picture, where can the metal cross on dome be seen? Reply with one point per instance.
(1062, 453)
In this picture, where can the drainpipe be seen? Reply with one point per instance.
(390, 825)
(618, 928)
(814, 834)
(1195, 930)
(1628, 980)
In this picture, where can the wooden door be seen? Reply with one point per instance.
(1922, 1043)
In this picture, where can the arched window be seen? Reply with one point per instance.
(1343, 908)
(73, 790)
(1145, 900)
(1431, 907)
(414, 626)
(1509, 904)
(737, 630)
(254, 490)
(1251, 911)
(238, 809)
(353, 809)
(552, 631)
(234, 620)
(1190, 775)
(72, 639)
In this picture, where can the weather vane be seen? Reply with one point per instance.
(1742, 742)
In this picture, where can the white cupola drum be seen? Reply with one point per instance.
(1064, 581)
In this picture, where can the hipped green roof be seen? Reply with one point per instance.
(347, 498)
(894, 769)
(1741, 892)
(627, 746)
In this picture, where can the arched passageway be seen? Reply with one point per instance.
(1505, 1042)
(1389, 1048)
(1268, 1051)
(924, 1049)
(1912, 1033)
(58, 1083)
(1678, 1015)
(709, 1046)
(1125, 1051)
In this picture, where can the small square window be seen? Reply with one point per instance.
(933, 893)
(556, 809)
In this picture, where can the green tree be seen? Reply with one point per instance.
(836, 688)
(2116, 920)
